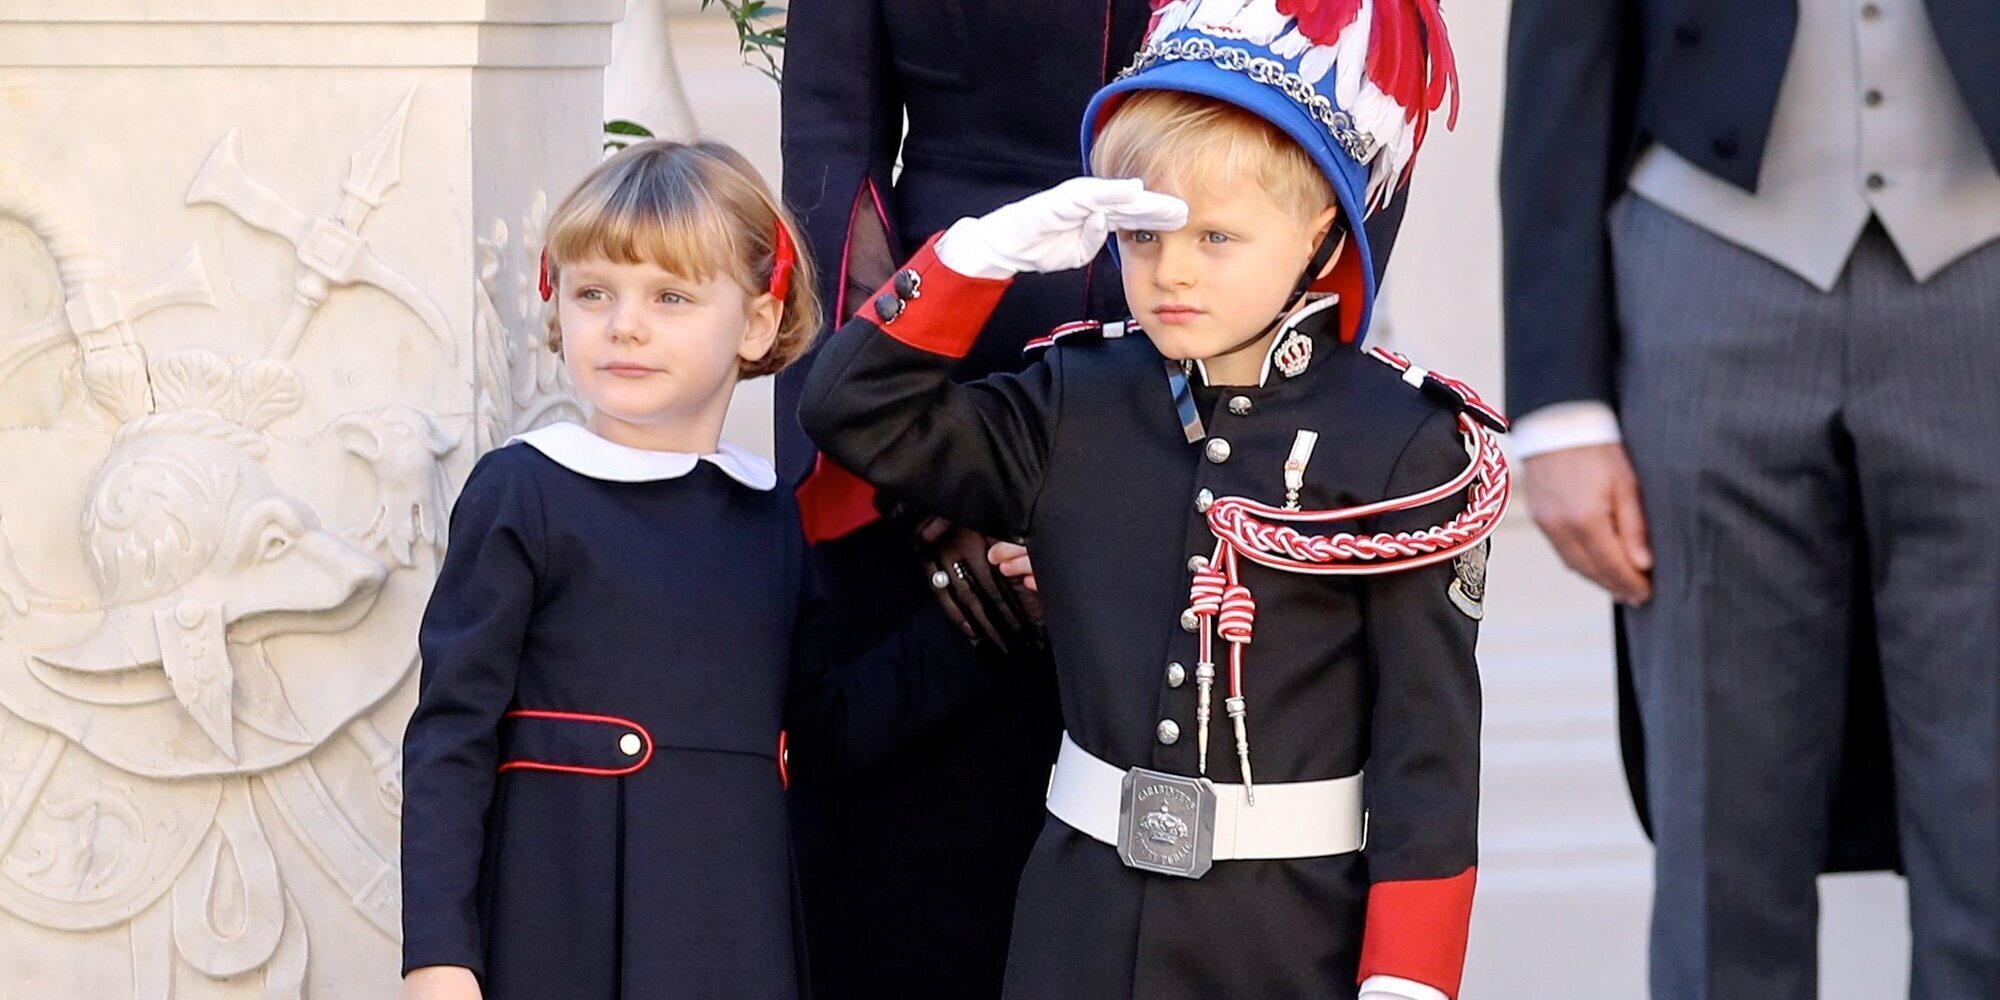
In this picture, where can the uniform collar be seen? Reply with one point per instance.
(576, 448)
(1315, 319)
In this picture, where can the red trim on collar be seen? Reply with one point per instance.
(600, 772)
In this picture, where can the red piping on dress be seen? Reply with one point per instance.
(600, 772)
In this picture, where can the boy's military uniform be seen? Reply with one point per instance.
(1262, 599)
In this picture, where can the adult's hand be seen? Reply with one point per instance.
(1586, 500)
(985, 605)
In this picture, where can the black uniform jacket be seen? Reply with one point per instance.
(1083, 454)
(594, 803)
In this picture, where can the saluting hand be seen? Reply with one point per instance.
(1056, 230)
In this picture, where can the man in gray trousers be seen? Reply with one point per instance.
(1753, 352)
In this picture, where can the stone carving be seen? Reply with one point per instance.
(172, 706)
(331, 250)
(522, 384)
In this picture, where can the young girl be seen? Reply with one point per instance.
(623, 626)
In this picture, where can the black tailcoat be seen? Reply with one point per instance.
(1591, 84)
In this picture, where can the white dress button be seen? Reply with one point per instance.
(630, 744)
(1168, 731)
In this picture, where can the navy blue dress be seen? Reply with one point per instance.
(594, 802)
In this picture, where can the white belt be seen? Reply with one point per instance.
(1300, 819)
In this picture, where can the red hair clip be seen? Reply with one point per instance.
(783, 257)
(548, 290)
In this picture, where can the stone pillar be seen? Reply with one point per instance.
(266, 290)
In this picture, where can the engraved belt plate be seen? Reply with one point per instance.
(1166, 823)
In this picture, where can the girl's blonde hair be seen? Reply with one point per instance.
(692, 209)
(1189, 140)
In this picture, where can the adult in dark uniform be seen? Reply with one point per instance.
(1752, 252)
(1135, 479)
(909, 869)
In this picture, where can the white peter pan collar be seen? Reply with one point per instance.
(576, 448)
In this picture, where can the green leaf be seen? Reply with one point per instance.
(622, 127)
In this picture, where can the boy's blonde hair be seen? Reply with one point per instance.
(692, 209)
(1189, 140)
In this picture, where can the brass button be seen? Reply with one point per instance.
(1239, 405)
(1190, 621)
(1176, 675)
(1168, 731)
(1203, 501)
(630, 744)
(1218, 450)
(1197, 563)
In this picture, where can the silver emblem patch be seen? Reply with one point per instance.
(1166, 823)
(1468, 588)
(1295, 352)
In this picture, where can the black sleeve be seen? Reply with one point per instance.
(843, 717)
(470, 640)
(1422, 777)
(840, 129)
(975, 454)
(1423, 762)
(1564, 154)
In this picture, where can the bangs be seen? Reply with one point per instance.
(1195, 143)
(659, 213)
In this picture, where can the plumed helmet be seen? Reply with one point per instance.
(1353, 82)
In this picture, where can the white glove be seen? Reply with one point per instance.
(1056, 230)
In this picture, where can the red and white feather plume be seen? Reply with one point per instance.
(1391, 62)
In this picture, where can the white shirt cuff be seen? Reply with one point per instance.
(1574, 424)
(1397, 988)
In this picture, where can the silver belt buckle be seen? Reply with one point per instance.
(1166, 823)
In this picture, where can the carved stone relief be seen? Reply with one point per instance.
(200, 697)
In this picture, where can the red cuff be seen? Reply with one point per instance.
(834, 503)
(933, 308)
(1417, 929)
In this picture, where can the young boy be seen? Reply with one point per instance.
(1260, 548)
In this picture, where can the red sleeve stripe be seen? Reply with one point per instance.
(948, 312)
(1417, 929)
